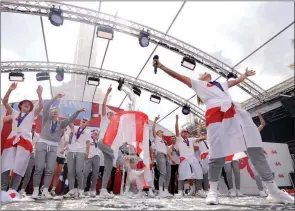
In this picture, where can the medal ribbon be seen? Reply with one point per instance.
(53, 126)
(71, 137)
(79, 132)
(20, 119)
(94, 142)
(186, 141)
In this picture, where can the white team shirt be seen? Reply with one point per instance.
(79, 145)
(103, 126)
(61, 146)
(174, 155)
(94, 150)
(184, 150)
(160, 145)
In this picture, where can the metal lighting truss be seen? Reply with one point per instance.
(37, 66)
(83, 15)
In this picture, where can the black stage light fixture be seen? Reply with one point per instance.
(231, 75)
(55, 16)
(91, 80)
(155, 98)
(186, 109)
(105, 32)
(188, 62)
(59, 74)
(144, 38)
(121, 82)
(42, 76)
(136, 90)
(16, 76)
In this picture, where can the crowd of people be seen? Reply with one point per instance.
(190, 166)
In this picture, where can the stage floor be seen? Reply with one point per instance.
(128, 203)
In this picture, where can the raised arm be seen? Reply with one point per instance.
(154, 126)
(176, 126)
(104, 104)
(241, 78)
(262, 122)
(173, 74)
(6, 97)
(40, 103)
(48, 105)
(199, 128)
(70, 119)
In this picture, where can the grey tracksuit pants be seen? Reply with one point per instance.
(233, 166)
(28, 173)
(45, 157)
(75, 162)
(257, 158)
(164, 169)
(94, 164)
(108, 154)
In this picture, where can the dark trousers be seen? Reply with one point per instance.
(157, 176)
(173, 182)
(113, 175)
(223, 174)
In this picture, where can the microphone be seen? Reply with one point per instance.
(156, 64)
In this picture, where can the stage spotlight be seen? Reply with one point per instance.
(93, 81)
(121, 82)
(105, 32)
(59, 74)
(16, 76)
(144, 39)
(188, 62)
(231, 75)
(55, 16)
(136, 90)
(155, 98)
(42, 76)
(186, 109)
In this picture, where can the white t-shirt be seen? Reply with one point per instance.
(103, 126)
(79, 145)
(94, 150)
(184, 149)
(174, 155)
(160, 145)
(61, 146)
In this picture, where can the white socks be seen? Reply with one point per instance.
(213, 186)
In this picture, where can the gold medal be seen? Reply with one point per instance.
(17, 129)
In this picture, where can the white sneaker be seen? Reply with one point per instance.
(105, 194)
(167, 193)
(212, 198)
(151, 193)
(52, 192)
(35, 194)
(81, 194)
(180, 194)
(70, 194)
(280, 197)
(262, 193)
(23, 192)
(232, 193)
(87, 193)
(239, 193)
(46, 194)
(201, 193)
(93, 194)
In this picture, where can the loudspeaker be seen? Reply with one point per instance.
(289, 105)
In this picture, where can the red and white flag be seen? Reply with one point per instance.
(131, 127)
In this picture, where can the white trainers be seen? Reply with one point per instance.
(35, 194)
(23, 192)
(180, 194)
(262, 193)
(70, 194)
(46, 194)
(52, 192)
(201, 193)
(232, 193)
(151, 193)
(105, 194)
(86, 193)
(81, 194)
(93, 194)
(239, 193)
(212, 198)
(167, 193)
(280, 197)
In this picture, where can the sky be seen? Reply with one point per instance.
(229, 31)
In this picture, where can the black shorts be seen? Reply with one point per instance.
(60, 160)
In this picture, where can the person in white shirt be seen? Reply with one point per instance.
(108, 153)
(189, 167)
(27, 177)
(163, 158)
(77, 154)
(175, 164)
(60, 160)
(92, 162)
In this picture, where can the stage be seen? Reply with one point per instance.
(128, 203)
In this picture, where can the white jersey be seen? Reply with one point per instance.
(94, 150)
(63, 141)
(78, 144)
(160, 145)
(230, 128)
(103, 126)
(174, 155)
(186, 149)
